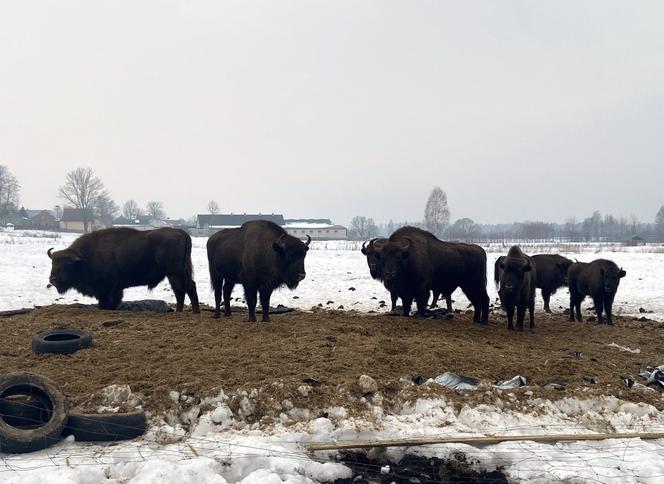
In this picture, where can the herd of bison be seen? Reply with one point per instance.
(260, 255)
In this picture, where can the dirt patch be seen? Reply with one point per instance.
(327, 351)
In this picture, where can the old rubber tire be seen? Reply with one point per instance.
(106, 427)
(24, 413)
(15, 440)
(61, 341)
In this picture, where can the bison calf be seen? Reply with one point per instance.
(104, 263)
(518, 277)
(598, 279)
(261, 256)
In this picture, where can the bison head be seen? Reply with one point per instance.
(513, 274)
(563, 266)
(611, 277)
(395, 257)
(373, 253)
(65, 266)
(291, 252)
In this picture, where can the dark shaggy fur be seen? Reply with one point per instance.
(102, 264)
(261, 256)
(598, 279)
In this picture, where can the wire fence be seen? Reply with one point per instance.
(611, 460)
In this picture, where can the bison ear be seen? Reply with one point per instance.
(364, 250)
(278, 248)
(622, 273)
(527, 267)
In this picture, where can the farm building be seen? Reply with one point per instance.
(73, 219)
(317, 229)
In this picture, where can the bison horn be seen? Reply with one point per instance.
(48, 252)
(410, 243)
(306, 244)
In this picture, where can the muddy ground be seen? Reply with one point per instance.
(198, 355)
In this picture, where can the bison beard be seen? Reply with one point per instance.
(104, 263)
(261, 256)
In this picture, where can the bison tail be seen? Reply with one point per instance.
(496, 273)
(188, 267)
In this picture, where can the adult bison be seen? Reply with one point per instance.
(372, 252)
(414, 262)
(102, 264)
(551, 274)
(518, 280)
(598, 279)
(261, 256)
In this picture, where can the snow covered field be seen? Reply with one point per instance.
(332, 269)
(221, 447)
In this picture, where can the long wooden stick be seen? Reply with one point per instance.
(474, 440)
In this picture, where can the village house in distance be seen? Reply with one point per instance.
(317, 229)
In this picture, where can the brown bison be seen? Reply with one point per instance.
(415, 262)
(371, 251)
(598, 279)
(261, 256)
(518, 278)
(102, 264)
(551, 274)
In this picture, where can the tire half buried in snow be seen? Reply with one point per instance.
(106, 427)
(15, 440)
(61, 341)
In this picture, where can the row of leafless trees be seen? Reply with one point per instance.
(84, 190)
(437, 220)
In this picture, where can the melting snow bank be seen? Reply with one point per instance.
(220, 447)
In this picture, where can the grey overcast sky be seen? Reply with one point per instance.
(517, 109)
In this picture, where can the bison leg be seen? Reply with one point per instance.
(217, 285)
(251, 295)
(599, 308)
(448, 300)
(531, 312)
(265, 303)
(177, 284)
(111, 300)
(190, 289)
(520, 316)
(421, 301)
(434, 301)
(407, 303)
(608, 308)
(480, 304)
(509, 309)
(394, 297)
(228, 290)
(546, 295)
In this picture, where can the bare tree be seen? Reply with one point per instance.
(659, 222)
(82, 189)
(362, 227)
(105, 208)
(9, 193)
(436, 212)
(465, 229)
(156, 210)
(213, 207)
(131, 210)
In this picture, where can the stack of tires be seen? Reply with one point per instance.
(35, 414)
